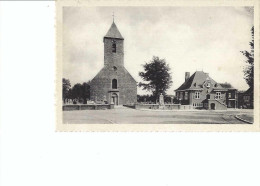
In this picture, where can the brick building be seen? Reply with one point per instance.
(246, 98)
(113, 83)
(202, 92)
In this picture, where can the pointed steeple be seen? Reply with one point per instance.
(113, 32)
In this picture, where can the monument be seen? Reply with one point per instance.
(161, 102)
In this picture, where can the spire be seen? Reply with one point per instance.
(113, 32)
(113, 17)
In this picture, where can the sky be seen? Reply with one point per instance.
(190, 39)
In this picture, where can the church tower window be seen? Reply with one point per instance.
(114, 84)
(114, 47)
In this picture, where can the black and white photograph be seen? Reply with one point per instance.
(129, 93)
(158, 65)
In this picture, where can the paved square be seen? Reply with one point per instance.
(125, 115)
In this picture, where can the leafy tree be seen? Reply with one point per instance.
(157, 76)
(77, 91)
(65, 88)
(81, 92)
(249, 69)
(144, 98)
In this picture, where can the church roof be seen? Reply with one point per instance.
(196, 81)
(113, 32)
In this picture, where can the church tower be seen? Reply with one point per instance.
(113, 84)
(113, 47)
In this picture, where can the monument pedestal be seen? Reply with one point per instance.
(161, 107)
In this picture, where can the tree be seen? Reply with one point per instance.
(81, 92)
(249, 68)
(65, 88)
(144, 98)
(157, 77)
(77, 92)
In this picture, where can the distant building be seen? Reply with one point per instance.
(202, 92)
(113, 83)
(246, 99)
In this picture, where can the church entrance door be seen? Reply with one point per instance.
(212, 106)
(115, 98)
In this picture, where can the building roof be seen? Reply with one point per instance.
(249, 91)
(196, 81)
(227, 85)
(113, 32)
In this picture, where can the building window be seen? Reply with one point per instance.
(114, 84)
(114, 48)
(229, 95)
(181, 95)
(186, 96)
(197, 95)
(246, 98)
(218, 96)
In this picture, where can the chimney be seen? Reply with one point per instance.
(187, 76)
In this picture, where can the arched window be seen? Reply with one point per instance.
(114, 48)
(114, 84)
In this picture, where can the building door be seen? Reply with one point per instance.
(115, 99)
(229, 104)
(212, 106)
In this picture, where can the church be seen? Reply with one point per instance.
(113, 83)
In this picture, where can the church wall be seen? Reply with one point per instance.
(102, 84)
(128, 92)
(99, 89)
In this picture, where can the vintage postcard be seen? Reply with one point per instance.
(156, 66)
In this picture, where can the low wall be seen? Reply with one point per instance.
(172, 106)
(186, 107)
(156, 106)
(130, 106)
(146, 106)
(87, 107)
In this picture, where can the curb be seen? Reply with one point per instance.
(237, 117)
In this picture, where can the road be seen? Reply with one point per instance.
(125, 115)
